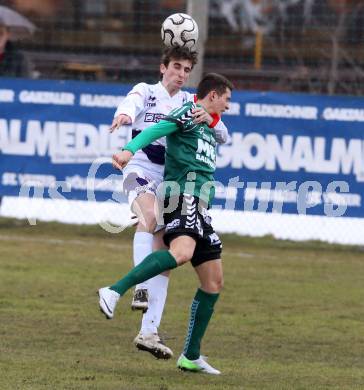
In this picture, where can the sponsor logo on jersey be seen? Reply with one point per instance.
(206, 153)
(153, 117)
(152, 101)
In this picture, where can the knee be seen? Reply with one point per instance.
(218, 284)
(147, 220)
(214, 286)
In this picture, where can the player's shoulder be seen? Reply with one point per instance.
(185, 109)
(143, 88)
(186, 96)
(183, 97)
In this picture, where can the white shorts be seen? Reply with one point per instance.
(140, 178)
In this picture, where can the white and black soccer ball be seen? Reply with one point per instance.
(179, 30)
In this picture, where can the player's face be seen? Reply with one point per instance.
(221, 103)
(175, 74)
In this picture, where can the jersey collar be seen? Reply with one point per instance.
(165, 93)
(162, 90)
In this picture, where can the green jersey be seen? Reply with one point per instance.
(190, 152)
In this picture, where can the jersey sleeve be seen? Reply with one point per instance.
(152, 133)
(182, 117)
(134, 102)
(221, 132)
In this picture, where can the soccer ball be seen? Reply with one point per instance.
(179, 30)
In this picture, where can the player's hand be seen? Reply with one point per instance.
(118, 121)
(120, 159)
(200, 116)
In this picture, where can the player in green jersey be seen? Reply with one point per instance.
(189, 169)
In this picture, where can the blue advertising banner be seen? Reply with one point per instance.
(289, 153)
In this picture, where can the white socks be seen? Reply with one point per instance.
(157, 287)
(157, 290)
(142, 247)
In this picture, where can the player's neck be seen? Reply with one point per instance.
(205, 104)
(173, 92)
(170, 89)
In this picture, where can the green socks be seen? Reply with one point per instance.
(201, 311)
(202, 305)
(152, 265)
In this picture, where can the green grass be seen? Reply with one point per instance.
(290, 316)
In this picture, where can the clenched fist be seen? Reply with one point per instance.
(121, 159)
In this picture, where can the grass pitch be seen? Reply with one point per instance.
(290, 316)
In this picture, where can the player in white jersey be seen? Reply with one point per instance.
(145, 105)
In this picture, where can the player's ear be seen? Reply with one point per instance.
(162, 68)
(213, 95)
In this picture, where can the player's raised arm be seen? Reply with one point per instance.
(130, 107)
(152, 133)
(120, 120)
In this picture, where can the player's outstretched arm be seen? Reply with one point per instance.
(130, 107)
(120, 120)
(151, 134)
(147, 136)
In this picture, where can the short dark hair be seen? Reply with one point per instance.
(213, 82)
(178, 53)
